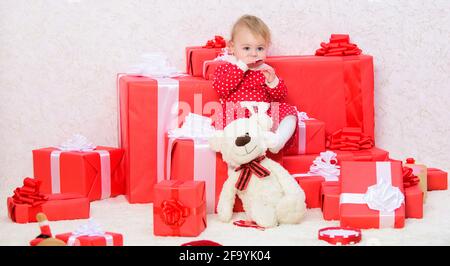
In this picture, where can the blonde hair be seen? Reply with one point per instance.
(254, 24)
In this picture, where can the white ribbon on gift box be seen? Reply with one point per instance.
(91, 228)
(302, 116)
(322, 167)
(198, 129)
(382, 196)
(79, 143)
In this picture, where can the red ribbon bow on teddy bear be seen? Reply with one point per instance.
(253, 167)
(339, 45)
(217, 42)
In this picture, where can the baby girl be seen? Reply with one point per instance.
(245, 77)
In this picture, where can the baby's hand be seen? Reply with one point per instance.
(269, 73)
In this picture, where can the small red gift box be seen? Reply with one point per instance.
(92, 239)
(209, 68)
(372, 195)
(311, 185)
(97, 174)
(436, 179)
(179, 208)
(414, 202)
(301, 163)
(420, 171)
(196, 56)
(28, 201)
(311, 136)
(330, 193)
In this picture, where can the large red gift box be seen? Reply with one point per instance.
(338, 90)
(96, 174)
(311, 137)
(372, 195)
(179, 208)
(56, 207)
(436, 179)
(329, 201)
(196, 57)
(414, 202)
(106, 239)
(301, 163)
(146, 115)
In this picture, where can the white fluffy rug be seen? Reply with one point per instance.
(135, 222)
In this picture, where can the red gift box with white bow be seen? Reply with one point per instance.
(372, 195)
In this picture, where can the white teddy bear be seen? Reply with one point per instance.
(270, 195)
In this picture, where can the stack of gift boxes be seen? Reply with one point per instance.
(334, 159)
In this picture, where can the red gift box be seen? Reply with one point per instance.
(372, 195)
(414, 202)
(105, 239)
(189, 159)
(311, 136)
(338, 90)
(436, 179)
(209, 68)
(146, 116)
(196, 56)
(96, 174)
(56, 207)
(420, 171)
(179, 208)
(330, 193)
(302, 163)
(311, 186)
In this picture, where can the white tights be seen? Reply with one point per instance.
(284, 132)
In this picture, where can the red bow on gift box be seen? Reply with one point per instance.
(349, 139)
(339, 45)
(217, 42)
(409, 179)
(29, 193)
(174, 212)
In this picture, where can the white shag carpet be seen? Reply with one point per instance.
(135, 222)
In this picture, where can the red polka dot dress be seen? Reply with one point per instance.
(234, 85)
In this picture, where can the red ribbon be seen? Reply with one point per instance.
(253, 167)
(29, 193)
(173, 212)
(251, 224)
(409, 179)
(217, 42)
(339, 45)
(349, 139)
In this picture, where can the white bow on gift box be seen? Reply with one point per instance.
(91, 228)
(79, 143)
(198, 129)
(154, 65)
(325, 165)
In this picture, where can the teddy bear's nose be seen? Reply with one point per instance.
(242, 140)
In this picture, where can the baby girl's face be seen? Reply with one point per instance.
(248, 47)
